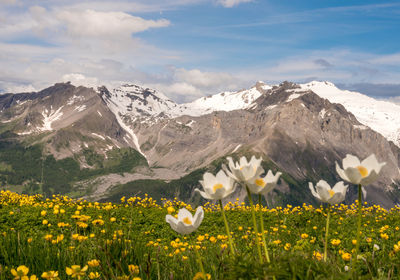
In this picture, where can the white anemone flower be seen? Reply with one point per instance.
(356, 172)
(260, 185)
(186, 223)
(216, 187)
(244, 171)
(325, 193)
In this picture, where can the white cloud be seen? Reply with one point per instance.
(232, 3)
(391, 59)
(184, 85)
(78, 79)
(204, 79)
(105, 24)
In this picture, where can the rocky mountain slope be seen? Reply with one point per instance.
(298, 129)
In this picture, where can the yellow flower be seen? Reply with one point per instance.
(113, 219)
(94, 275)
(93, 263)
(384, 236)
(335, 242)
(170, 210)
(48, 237)
(200, 238)
(317, 255)
(20, 273)
(346, 256)
(51, 275)
(43, 213)
(354, 242)
(200, 276)
(133, 269)
(277, 242)
(213, 239)
(76, 271)
(45, 222)
(369, 239)
(304, 235)
(287, 246)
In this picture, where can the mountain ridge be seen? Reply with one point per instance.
(289, 124)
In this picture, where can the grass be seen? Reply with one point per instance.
(134, 232)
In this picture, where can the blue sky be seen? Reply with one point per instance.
(191, 48)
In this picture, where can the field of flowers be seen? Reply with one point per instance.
(61, 238)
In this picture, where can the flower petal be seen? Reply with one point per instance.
(198, 217)
(353, 174)
(336, 198)
(371, 163)
(323, 189)
(372, 176)
(183, 213)
(203, 194)
(314, 193)
(341, 173)
(350, 161)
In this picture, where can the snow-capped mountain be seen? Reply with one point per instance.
(226, 101)
(133, 102)
(381, 116)
(138, 102)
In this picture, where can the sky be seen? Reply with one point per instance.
(191, 48)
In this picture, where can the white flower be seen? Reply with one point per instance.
(325, 193)
(260, 185)
(186, 223)
(243, 171)
(216, 187)
(356, 172)
(376, 247)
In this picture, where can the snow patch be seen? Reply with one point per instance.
(97, 135)
(293, 96)
(237, 147)
(189, 124)
(75, 99)
(130, 133)
(361, 127)
(80, 108)
(99, 114)
(322, 113)
(49, 118)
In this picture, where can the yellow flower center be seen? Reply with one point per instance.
(331, 192)
(217, 187)
(260, 182)
(187, 221)
(363, 171)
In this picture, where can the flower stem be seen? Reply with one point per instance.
(228, 232)
(358, 228)
(262, 230)
(253, 214)
(199, 260)
(327, 233)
